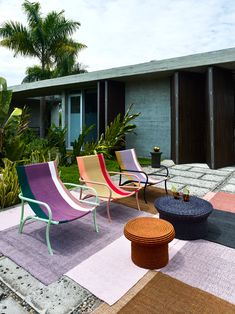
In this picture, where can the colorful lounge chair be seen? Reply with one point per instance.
(93, 173)
(48, 197)
(128, 162)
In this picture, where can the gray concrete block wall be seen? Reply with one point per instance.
(152, 99)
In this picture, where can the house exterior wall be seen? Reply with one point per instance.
(152, 99)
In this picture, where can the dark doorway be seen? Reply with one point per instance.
(221, 118)
(188, 117)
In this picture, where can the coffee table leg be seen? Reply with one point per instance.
(149, 256)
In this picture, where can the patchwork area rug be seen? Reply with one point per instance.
(221, 228)
(164, 294)
(205, 265)
(110, 273)
(72, 242)
(151, 194)
(224, 201)
(11, 217)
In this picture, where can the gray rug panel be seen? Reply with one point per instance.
(205, 265)
(72, 242)
(221, 228)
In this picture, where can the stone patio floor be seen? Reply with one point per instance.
(21, 293)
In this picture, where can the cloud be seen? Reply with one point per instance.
(120, 32)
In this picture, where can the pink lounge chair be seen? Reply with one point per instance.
(93, 173)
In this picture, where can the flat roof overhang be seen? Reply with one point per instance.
(154, 69)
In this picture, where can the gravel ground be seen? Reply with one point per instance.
(88, 305)
(9, 293)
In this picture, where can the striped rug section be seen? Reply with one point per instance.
(205, 265)
(164, 294)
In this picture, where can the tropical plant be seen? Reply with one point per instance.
(47, 39)
(77, 145)
(114, 136)
(186, 190)
(9, 186)
(5, 100)
(12, 126)
(56, 138)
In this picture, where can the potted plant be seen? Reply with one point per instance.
(186, 194)
(175, 192)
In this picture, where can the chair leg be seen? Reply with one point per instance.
(166, 188)
(48, 238)
(22, 217)
(94, 220)
(137, 200)
(108, 210)
(80, 194)
(145, 195)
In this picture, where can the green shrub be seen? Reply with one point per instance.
(56, 138)
(78, 144)
(114, 136)
(12, 126)
(9, 186)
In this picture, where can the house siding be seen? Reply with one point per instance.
(152, 99)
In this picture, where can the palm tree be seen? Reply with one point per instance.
(48, 39)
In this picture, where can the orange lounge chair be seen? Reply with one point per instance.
(93, 173)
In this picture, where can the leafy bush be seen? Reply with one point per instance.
(12, 126)
(56, 138)
(77, 145)
(114, 136)
(9, 186)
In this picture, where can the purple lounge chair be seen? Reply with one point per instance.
(48, 197)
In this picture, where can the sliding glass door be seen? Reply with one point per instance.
(74, 118)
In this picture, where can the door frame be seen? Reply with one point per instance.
(69, 116)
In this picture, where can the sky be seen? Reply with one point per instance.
(125, 32)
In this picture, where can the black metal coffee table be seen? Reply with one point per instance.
(188, 218)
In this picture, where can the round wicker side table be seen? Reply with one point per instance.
(149, 241)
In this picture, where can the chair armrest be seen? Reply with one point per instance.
(98, 183)
(30, 200)
(126, 173)
(84, 187)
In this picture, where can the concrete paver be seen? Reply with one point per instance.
(229, 188)
(59, 297)
(211, 177)
(184, 173)
(181, 167)
(210, 171)
(10, 306)
(198, 165)
(231, 181)
(170, 184)
(20, 281)
(195, 182)
(197, 191)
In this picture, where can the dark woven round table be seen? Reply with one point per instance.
(188, 218)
